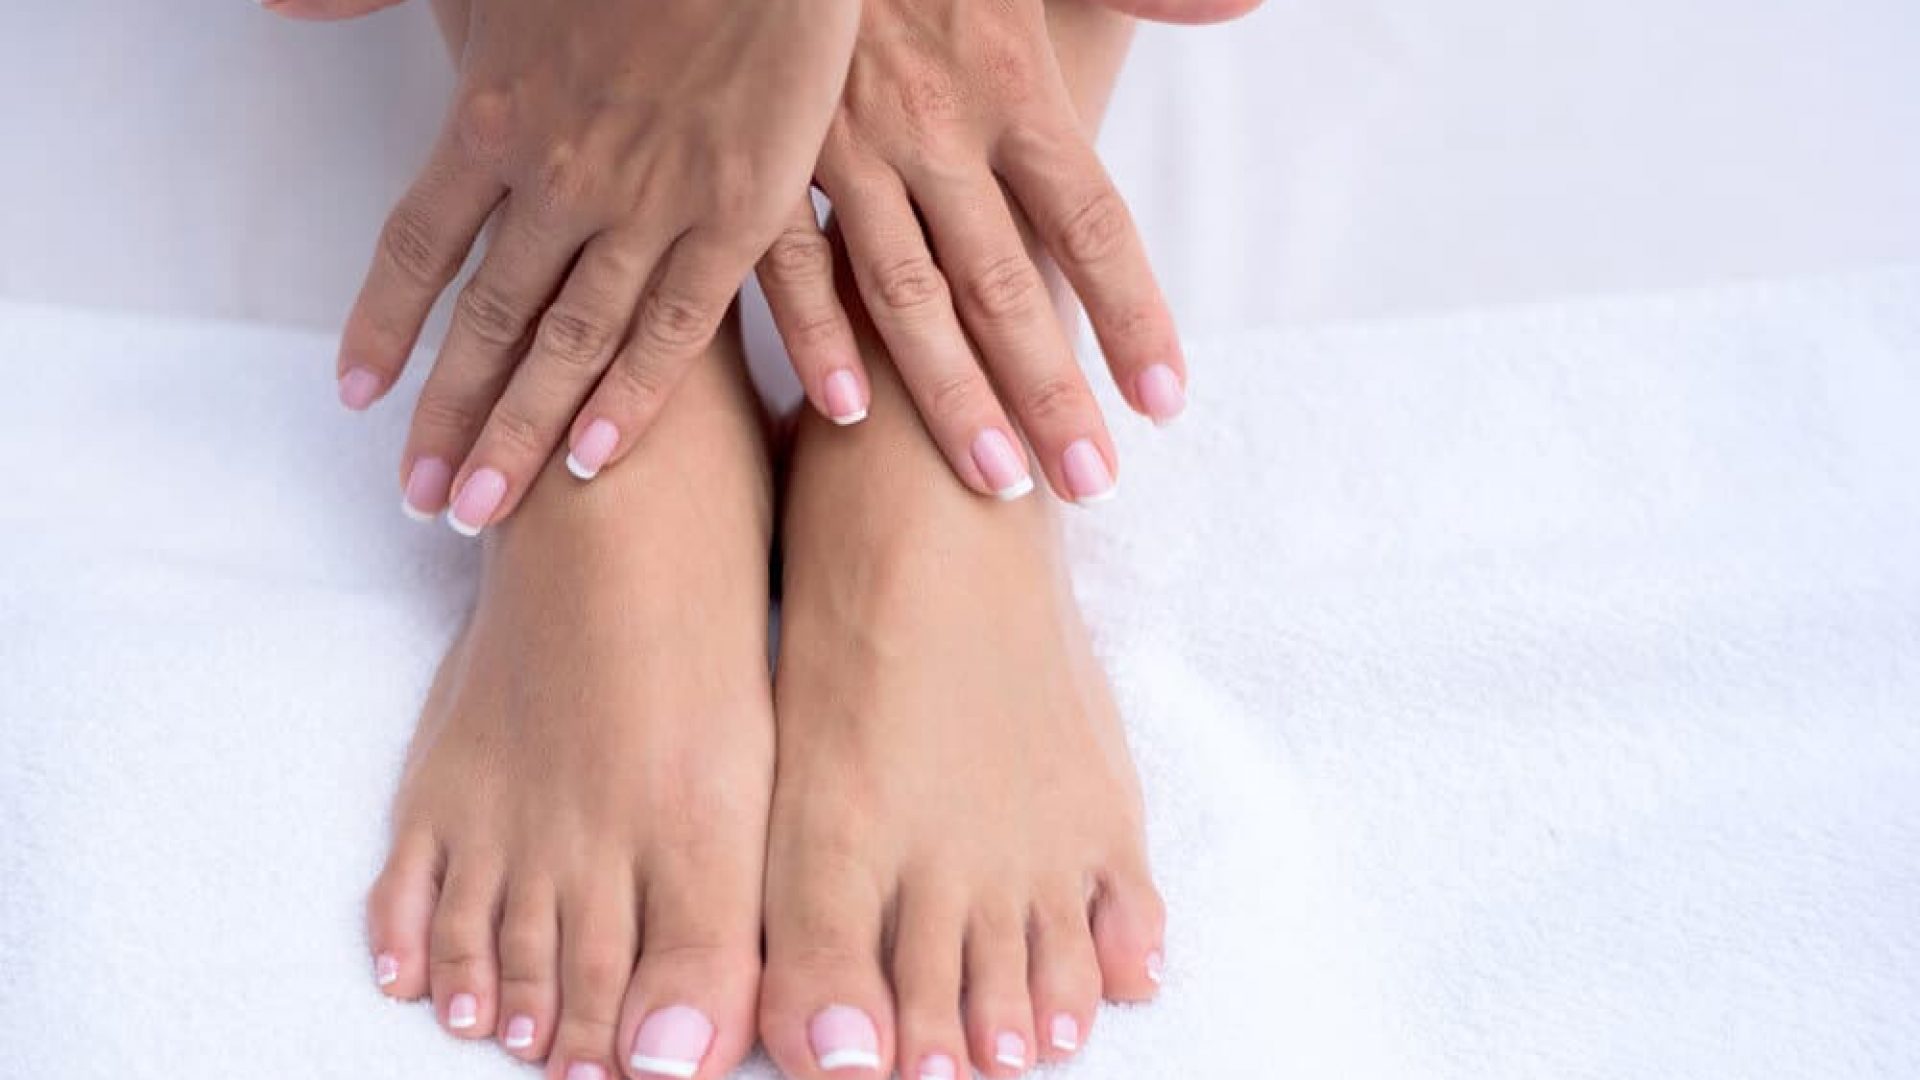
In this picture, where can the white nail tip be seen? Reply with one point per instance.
(1095, 500)
(849, 1059)
(520, 1043)
(659, 1066)
(579, 470)
(1011, 1061)
(387, 978)
(1015, 490)
(414, 513)
(1068, 1045)
(462, 1023)
(849, 419)
(461, 527)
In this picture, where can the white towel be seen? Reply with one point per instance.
(1531, 693)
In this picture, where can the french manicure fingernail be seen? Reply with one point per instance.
(843, 1037)
(479, 497)
(1064, 1033)
(426, 491)
(358, 388)
(591, 450)
(1088, 478)
(519, 1034)
(845, 404)
(1010, 1050)
(1003, 467)
(1161, 394)
(672, 1042)
(1155, 965)
(386, 970)
(463, 1011)
(938, 1067)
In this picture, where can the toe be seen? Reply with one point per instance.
(824, 1003)
(399, 912)
(529, 969)
(928, 931)
(1063, 974)
(999, 1015)
(460, 950)
(599, 936)
(1129, 926)
(690, 1009)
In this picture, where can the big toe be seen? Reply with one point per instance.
(690, 1008)
(824, 1004)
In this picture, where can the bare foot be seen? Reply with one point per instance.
(578, 838)
(956, 870)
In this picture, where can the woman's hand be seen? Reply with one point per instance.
(636, 160)
(956, 125)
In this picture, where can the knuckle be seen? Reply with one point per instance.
(1052, 397)
(1095, 228)
(909, 285)
(490, 315)
(811, 332)
(953, 397)
(1005, 287)
(799, 257)
(575, 340)
(601, 975)
(643, 384)
(561, 182)
(674, 323)
(1007, 68)
(522, 950)
(930, 97)
(411, 244)
(483, 125)
(444, 413)
(516, 431)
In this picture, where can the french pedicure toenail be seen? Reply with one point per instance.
(585, 1070)
(386, 970)
(1088, 478)
(1156, 964)
(519, 1033)
(358, 388)
(479, 497)
(938, 1067)
(426, 489)
(1010, 1050)
(463, 1011)
(1003, 466)
(590, 451)
(842, 392)
(843, 1037)
(672, 1042)
(1064, 1033)
(1161, 394)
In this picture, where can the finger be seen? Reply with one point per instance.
(486, 339)
(422, 244)
(1083, 222)
(796, 274)
(573, 343)
(676, 320)
(1009, 316)
(907, 298)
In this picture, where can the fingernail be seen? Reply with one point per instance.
(426, 491)
(479, 497)
(584, 1070)
(591, 450)
(671, 1042)
(463, 1011)
(1064, 1033)
(519, 1033)
(1088, 479)
(843, 1037)
(1010, 1050)
(1004, 467)
(844, 403)
(386, 970)
(358, 388)
(1161, 394)
(938, 1067)
(1155, 964)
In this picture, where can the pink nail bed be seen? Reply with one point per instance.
(844, 404)
(519, 1033)
(938, 1067)
(585, 1070)
(426, 491)
(463, 1011)
(386, 970)
(671, 1042)
(1161, 394)
(843, 1037)
(1064, 1033)
(479, 497)
(1010, 1050)
(1089, 480)
(591, 450)
(358, 388)
(1003, 466)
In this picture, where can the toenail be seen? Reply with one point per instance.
(1064, 1033)
(1155, 963)
(585, 1070)
(463, 1011)
(519, 1033)
(672, 1042)
(479, 497)
(591, 450)
(386, 969)
(938, 1067)
(1010, 1050)
(426, 490)
(843, 1037)
(1089, 480)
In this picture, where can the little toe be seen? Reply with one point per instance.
(599, 937)
(399, 912)
(690, 1009)
(824, 1002)
(462, 968)
(999, 1012)
(529, 969)
(1129, 926)
(1063, 974)
(928, 931)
